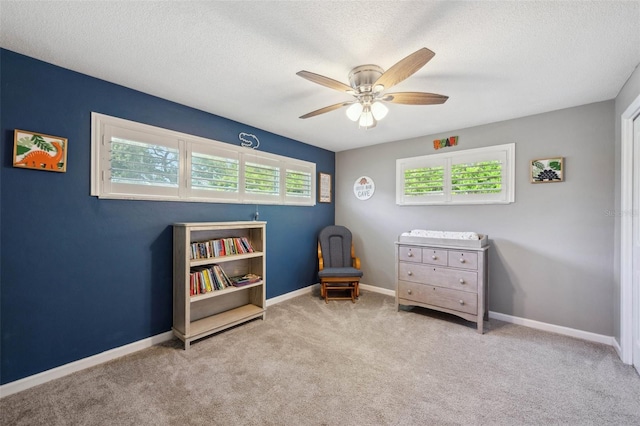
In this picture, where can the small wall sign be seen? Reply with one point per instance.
(363, 188)
(441, 143)
(324, 184)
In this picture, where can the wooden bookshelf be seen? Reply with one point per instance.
(199, 315)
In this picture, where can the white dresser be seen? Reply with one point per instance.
(447, 279)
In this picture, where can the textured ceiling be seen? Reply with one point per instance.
(238, 59)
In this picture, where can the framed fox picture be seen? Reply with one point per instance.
(39, 151)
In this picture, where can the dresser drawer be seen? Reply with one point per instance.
(437, 296)
(410, 254)
(434, 257)
(415, 272)
(463, 259)
(452, 278)
(438, 276)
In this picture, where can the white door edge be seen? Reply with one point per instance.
(635, 220)
(626, 229)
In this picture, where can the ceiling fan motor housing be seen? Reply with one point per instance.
(367, 84)
(363, 77)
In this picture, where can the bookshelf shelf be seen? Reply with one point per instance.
(215, 323)
(223, 292)
(221, 259)
(198, 315)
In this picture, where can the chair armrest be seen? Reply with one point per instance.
(355, 261)
(320, 259)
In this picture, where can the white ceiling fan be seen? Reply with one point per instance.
(368, 84)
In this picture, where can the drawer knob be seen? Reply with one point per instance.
(409, 273)
(461, 281)
(461, 302)
(410, 254)
(462, 260)
(434, 257)
(409, 291)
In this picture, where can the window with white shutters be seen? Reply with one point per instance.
(424, 181)
(143, 163)
(262, 180)
(136, 161)
(299, 183)
(476, 176)
(214, 173)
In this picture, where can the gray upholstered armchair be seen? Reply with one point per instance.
(338, 266)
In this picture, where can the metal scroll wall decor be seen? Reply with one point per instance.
(249, 140)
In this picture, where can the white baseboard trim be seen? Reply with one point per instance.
(310, 288)
(558, 329)
(290, 295)
(374, 289)
(72, 367)
(618, 348)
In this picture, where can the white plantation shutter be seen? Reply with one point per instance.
(136, 162)
(422, 181)
(299, 184)
(262, 180)
(476, 176)
(214, 172)
(480, 176)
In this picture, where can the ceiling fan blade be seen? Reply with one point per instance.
(415, 98)
(325, 81)
(405, 68)
(325, 109)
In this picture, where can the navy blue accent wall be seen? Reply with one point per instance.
(80, 275)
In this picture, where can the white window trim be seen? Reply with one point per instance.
(101, 186)
(506, 196)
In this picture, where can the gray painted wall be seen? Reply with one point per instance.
(629, 92)
(551, 256)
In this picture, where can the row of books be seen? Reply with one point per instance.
(214, 278)
(220, 247)
(208, 279)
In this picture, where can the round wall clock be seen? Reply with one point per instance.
(364, 188)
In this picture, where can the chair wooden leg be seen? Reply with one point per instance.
(352, 287)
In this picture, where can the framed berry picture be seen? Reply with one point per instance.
(547, 170)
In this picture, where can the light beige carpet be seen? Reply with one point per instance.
(311, 363)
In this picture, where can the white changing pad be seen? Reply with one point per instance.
(444, 238)
(442, 234)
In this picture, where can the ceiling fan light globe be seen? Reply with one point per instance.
(379, 110)
(366, 118)
(354, 111)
